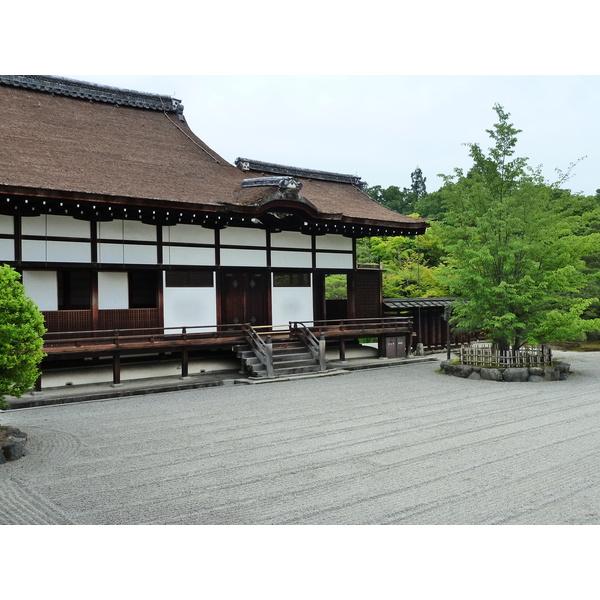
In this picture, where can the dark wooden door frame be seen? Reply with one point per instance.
(247, 302)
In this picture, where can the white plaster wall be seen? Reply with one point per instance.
(137, 254)
(121, 229)
(7, 250)
(7, 224)
(240, 236)
(231, 257)
(34, 250)
(291, 239)
(55, 225)
(33, 225)
(42, 288)
(113, 290)
(65, 226)
(292, 304)
(68, 252)
(327, 260)
(136, 231)
(334, 242)
(192, 234)
(110, 254)
(180, 255)
(283, 258)
(110, 230)
(190, 306)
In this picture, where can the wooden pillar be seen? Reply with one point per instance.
(116, 368)
(322, 352)
(184, 362)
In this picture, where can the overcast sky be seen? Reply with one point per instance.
(382, 127)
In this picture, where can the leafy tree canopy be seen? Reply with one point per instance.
(410, 264)
(21, 331)
(516, 246)
(403, 200)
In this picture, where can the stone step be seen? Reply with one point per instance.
(290, 370)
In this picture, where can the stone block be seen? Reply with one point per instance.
(491, 374)
(563, 371)
(13, 451)
(12, 444)
(516, 374)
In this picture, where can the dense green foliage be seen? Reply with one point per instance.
(516, 247)
(521, 255)
(336, 287)
(403, 200)
(21, 331)
(410, 263)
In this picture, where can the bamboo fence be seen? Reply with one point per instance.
(484, 355)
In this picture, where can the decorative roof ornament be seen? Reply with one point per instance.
(283, 183)
(247, 164)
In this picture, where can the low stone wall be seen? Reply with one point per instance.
(558, 372)
(12, 444)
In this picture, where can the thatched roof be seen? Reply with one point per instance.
(66, 139)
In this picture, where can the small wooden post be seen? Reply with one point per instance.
(184, 362)
(322, 352)
(116, 368)
(269, 356)
(342, 349)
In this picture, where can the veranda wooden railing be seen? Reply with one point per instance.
(314, 345)
(358, 327)
(263, 349)
(486, 355)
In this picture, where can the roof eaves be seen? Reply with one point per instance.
(404, 303)
(91, 91)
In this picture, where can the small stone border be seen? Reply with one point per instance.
(558, 372)
(12, 444)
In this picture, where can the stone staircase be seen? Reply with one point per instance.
(290, 357)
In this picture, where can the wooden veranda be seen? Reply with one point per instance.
(115, 343)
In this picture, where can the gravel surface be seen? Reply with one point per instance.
(395, 445)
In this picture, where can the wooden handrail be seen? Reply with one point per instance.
(198, 335)
(263, 350)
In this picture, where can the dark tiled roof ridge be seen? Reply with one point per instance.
(431, 302)
(93, 91)
(248, 164)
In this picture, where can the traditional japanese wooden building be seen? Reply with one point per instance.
(119, 217)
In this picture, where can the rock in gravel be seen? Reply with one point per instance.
(12, 443)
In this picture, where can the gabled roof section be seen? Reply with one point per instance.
(336, 196)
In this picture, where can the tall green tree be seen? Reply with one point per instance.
(402, 200)
(21, 331)
(391, 197)
(418, 189)
(515, 248)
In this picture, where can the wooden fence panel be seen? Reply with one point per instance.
(484, 355)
